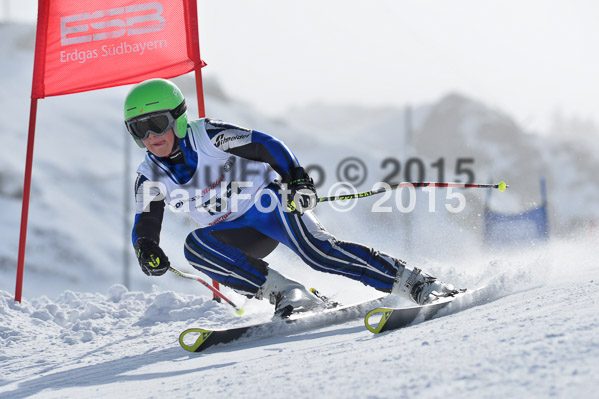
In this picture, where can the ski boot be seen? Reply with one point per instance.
(287, 295)
(420, 287)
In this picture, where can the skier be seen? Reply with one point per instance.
(191, 166)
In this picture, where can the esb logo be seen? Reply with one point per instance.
(125, 22)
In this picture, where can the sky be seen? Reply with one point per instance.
(530, 58)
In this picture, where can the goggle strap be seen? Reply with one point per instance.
(180, 110)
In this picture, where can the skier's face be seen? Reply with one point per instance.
(161, 146)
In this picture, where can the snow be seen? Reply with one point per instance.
(537, 339)
(80, 333)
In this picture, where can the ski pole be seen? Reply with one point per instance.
(501, 186)
(216, 292)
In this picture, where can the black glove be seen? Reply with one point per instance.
(302, 193)
(151, 258)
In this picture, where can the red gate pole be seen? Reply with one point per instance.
(25, 207)
(200, 91)
(202, 114)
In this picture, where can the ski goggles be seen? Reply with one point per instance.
(157, 123)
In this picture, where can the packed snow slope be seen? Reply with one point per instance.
(78, 332)
(537, 338)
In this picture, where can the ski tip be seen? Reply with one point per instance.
(379, 318)
(202, 336)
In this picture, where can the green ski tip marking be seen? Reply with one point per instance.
(384, 313)
(202, 336)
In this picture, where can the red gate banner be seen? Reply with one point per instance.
(94, 44)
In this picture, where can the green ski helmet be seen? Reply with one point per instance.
(155, 106)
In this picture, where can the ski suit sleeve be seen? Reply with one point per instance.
(251, 144)
(149, 210)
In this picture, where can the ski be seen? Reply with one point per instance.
(206, 338)
(384, 319)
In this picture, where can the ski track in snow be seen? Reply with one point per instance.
(532, 339)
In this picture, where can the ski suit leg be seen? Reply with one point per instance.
(229, 253)
(235, 266)
(322, 251)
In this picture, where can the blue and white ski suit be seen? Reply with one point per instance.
(203, 179)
